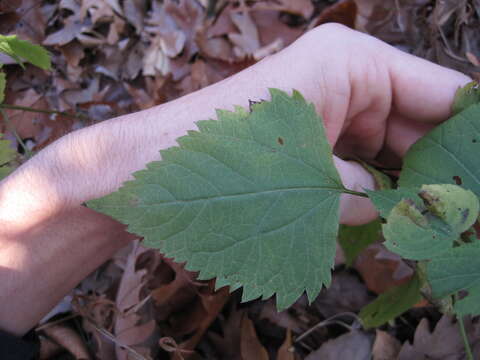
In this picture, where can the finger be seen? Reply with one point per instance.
(422, 90)
(355, 210)
(402, 133)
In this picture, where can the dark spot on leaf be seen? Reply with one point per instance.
(465, 214)
(474, 140)
(280, 140)
(457, 179)
(383, 220)
(251, 104)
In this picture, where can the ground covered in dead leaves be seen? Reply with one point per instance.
(116, 56)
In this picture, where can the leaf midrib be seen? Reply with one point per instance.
(221, 197)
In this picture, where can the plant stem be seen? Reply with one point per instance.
(353, 192)
(468, 350)
(26, 150)
(43, 111)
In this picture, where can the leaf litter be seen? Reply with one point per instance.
(113, 57)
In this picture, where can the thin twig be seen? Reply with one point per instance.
(59, 321)
(117, 342)
(44, 111)
(463, 333)
(328, 322)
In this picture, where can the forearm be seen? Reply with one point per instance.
(114, 149)
(42, 263)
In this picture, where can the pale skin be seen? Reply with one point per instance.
(376, 101)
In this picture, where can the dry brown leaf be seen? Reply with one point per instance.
(282, 319)
(382, 269)
(68, 339)
(347, 293)
(247, 41)
(342, 12)
(444, 342)
(298, 7)
(270, 28)
(355, 345)
(228, 344)
(250, 346)
(129, 301)
(134, 11)
(285, 351)
(30, 21)
(385, 346)
(155, 60)
(72, 28)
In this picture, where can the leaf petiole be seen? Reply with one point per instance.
(355, 193)
(468, 350)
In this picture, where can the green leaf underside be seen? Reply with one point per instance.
(391, 304)
(21, 50)
(251, 198)
(385, 200)
(354, 239)
(447, 155)
(454, 271)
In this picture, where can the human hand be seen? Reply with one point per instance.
(374, 99)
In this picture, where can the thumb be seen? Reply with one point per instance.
(355, 210)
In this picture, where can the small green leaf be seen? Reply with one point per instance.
(24, 50)
(391, 304)
(470, 304)
(7, 155)
(447, 155)
(454, 271)
(382, 181)
(2, 86)
(466, 96)
(250, 198)
(354, 239)
(423, 232)
(385, 200)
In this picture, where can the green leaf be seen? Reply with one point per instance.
(469, 305)
(354, 239)
(2, 86)
(22, 50)
(382, 181)
(447, 155)
(391, 304)
(250, 198)
(423, 232)
(7, 155)
(385, 200)
(454, 271)
(465, 97)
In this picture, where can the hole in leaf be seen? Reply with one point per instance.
(280, 140)
(457, 179)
